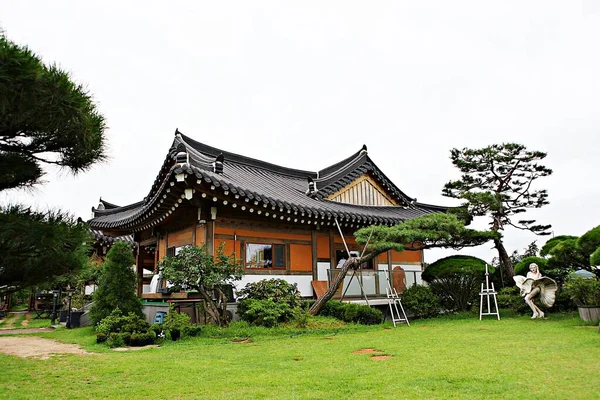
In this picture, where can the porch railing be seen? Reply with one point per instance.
(374, 282)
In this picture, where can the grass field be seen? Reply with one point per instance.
(450, 357)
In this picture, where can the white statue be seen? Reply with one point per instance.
(535, 284)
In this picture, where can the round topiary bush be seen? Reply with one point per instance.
(589, 241)
(456, 280)
(595, 257)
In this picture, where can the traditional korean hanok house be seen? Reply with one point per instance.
(281, 222)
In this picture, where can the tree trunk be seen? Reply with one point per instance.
(223, 308)
(351, 262)
(211, 308)
(504, 258)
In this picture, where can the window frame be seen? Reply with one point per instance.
(285, 266)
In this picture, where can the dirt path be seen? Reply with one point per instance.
(19, 331)
(36, 347)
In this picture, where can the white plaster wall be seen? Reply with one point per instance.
(322, 268)
(303, 282)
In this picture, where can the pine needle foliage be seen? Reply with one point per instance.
(45, 117)
(36, 246)
(497, 182)
(117, 285)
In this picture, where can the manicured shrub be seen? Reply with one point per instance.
(277, 290)
(101, 337)
(264, 312)
(142, 338)
(175, 322)
(268, 302)
(118, 330)
(456, 280)
(117, 322)
(421, 301)
(352, 312)
(595, 257)
(584, 292)
(158, 329)
(333, 308)
(118, 339)
(510, 298)
(589, 241)
(192, 330)
(369, 316)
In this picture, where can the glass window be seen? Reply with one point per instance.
(341, 256)
(265, 255)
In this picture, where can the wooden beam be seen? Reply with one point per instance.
(331, 249)
(313, 235)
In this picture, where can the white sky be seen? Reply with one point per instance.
(305, 84)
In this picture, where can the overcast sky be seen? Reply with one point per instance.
(305, 84)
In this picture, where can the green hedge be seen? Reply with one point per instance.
(456, 280)
(352, 312)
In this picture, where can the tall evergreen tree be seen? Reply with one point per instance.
(117, 285)
(45, 118)
(497, 182)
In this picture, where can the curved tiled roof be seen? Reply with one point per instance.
(280, 192)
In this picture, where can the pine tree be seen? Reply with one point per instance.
(497, 182)
(117, 285)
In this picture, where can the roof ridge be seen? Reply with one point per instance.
(345, 162)
(204, 149)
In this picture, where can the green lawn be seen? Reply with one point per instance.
(451, 357)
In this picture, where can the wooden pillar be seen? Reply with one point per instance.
(332, 262)
(210, 235)
(139, 271)
(313, 237)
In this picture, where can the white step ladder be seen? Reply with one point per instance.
(396, 310)
(487, 292)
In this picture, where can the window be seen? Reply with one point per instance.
(262, 255)
(173, 251)
(341, 256)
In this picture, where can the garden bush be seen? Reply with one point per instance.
(118, 330)
(456, 280)
(264, 312)
(175, 323)
(510, 298)
(352, 312)
(595, 257)
(277, 290)
(584, 292)
(589, 241)
(368, 316)
(192, 330)
(421, 301)
(268, 302)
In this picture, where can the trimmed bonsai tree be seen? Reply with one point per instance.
(117, 285)
(195, 269)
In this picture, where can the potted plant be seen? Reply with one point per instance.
(175, 322)
(586, 295)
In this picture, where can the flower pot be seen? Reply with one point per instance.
(175, 335)
(589, 313)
